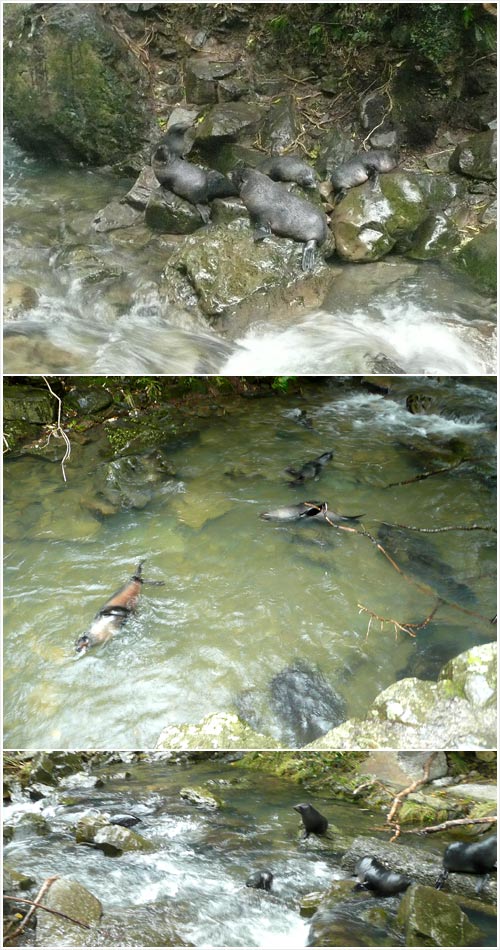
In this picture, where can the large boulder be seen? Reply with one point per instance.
(477, 157)
(431, 918)
(71, 898)
(73, 90)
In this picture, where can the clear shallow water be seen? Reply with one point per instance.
(430, 323)
(193, 881)
(244, 599)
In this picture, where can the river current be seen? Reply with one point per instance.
(422, 319)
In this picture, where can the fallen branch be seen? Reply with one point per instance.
(45, 887)
(58, 431)
(409, 628)
(452, 823)
(398, 800)
(437, 471)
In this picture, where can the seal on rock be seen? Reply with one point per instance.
(188, 181)
(308, 509)
(314, 822)
(470, 857)
(261, 880)
(374, 876)
(289, 168)
(360, 168)
(273, 209)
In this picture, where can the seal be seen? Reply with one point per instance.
(126, 821)
(261, 880)
(314, 822)
(194, 184)
(374, 876)
(174, 139)
(308, 509)
(474, 857)
(273, 209)
(289, 168)
(310, 469)
(114, 613)
(360, 168)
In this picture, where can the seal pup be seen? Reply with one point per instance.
(470, 857)
(374, 876)
(114, 613)
(314, 822)
(188, 181)
(289, 168)
(308, 509)
(261, 880)
(360, 168)
(273, 209)
(310, 469)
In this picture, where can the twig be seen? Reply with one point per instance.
(436, 471)
(409, 628)
(45, 887)
(450, 527)
(59, 430)
(398, 800)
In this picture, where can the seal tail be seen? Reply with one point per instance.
(137, 576)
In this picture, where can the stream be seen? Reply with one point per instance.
(425, 321)
(246, 602)
(192, 884)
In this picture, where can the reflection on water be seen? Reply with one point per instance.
(246, 599)
(424, 322)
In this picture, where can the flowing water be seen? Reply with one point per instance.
(193, 881)
(245, 599)
(427, 322)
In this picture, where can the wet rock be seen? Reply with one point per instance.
(40, 355)
(87, 827)
(280, 126)
(28, 404)
(170, 214)
(201, 796)
(114, 840)
(224, 266)
(16, 881)
(31, 824)
(476, 157)
(124, 927)
(91, 400)
(114, 216)
(216, 731)
(18, 298)
(71, 898)
(430, 918)
(201, 79)
(85, 114)
(141, 190)
(416, 714)
(373, 217)
(435, 237)
(336, 147)
(478, 259)
(85, 266)
(227, 123)
(305, 703)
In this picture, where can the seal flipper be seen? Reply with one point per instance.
(308, 255)
(262, 230)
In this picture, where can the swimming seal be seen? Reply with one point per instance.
(310, 469)
(308, 509)
(126, 821)
(289, 168)
(261, 880)
(360, 168)
(273, 209)
(314, 822)
(115, 612)
(189, 181)
(474, 857)
(374, 876)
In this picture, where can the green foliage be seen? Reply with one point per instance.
(282, 383)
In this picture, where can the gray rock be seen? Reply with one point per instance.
(430, 918)
(73, 899)
(476, 157)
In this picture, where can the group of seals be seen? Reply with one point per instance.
(115, 612)
(272, 208)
